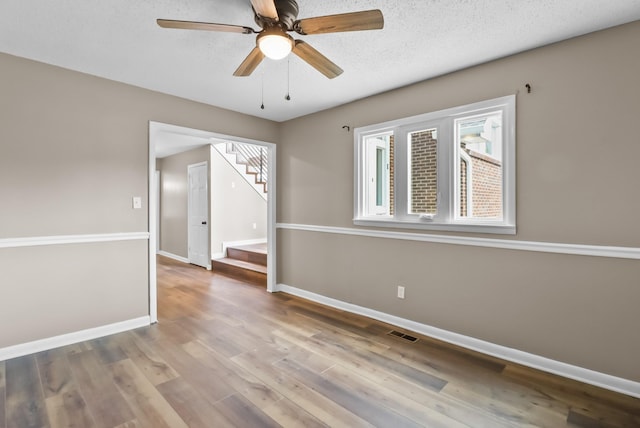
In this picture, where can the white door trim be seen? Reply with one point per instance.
(155, 130)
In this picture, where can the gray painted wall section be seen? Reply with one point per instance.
(576, 176)
(73, 152)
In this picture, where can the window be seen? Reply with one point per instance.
(378, 183)
(452, 169)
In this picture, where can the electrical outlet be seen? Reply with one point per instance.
(400, 292)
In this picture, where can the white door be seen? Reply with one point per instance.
(198, 214)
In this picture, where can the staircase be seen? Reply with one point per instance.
(251, 162)
(246, 263)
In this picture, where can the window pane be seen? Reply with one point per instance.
(378, 174)
(423, 188)
(380, 170)
(479, 186)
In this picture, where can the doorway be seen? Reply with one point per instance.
(159, 134)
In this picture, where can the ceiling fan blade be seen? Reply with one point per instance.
(316, 60)
(209, 26)
(355, 21)
(265, 8)
(250, 63)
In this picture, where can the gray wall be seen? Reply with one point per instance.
(73, 152)
(174, 199)
(577, 183)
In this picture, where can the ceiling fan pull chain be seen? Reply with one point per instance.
(288, 96)
(262, 96)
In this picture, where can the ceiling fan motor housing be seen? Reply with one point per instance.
(287, 14)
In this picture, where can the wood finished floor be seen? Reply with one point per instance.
(228, 354)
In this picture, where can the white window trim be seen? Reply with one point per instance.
(445, 219)
(465, 156)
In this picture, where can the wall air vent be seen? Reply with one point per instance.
(401, 335)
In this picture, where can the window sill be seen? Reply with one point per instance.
(500, 229)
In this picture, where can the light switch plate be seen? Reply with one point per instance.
(400, 292)
(137, 202)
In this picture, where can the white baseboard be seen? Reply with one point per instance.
(173, 256)
(71, 338)
(216, 256)
(591, 377)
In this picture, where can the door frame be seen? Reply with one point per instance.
(156, 130)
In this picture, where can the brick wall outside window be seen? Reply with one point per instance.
(486, 186)
(424, 184)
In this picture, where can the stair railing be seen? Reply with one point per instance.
(253, 156)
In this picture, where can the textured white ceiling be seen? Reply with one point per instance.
(119, 40)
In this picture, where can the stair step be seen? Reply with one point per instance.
(249, 253)
(240, 269)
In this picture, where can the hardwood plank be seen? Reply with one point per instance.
(353, 339)
(204, 380)
(288, 414)
(348, 398)
(55, 373)
(478, 380)
(475, 374)
(68, 409)
(104, 401)
(2, 395)
(152, 365)
(107, 349)
(180, 301)
(377, 394)
(231, 341)
(519, 415)
(583, 421)
(316, 404)
(149, 406)
(617, 408)
(130, 424)
(174, 332)
(331, 316)
(280, 321)
(241, 413)
(192, 407)
(250, 387)
(25, 405)
(367, 361)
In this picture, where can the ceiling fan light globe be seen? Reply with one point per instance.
(275, 46)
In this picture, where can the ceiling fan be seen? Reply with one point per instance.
(276, 18)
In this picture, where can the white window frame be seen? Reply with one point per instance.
(447, 150)
(371, 192)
